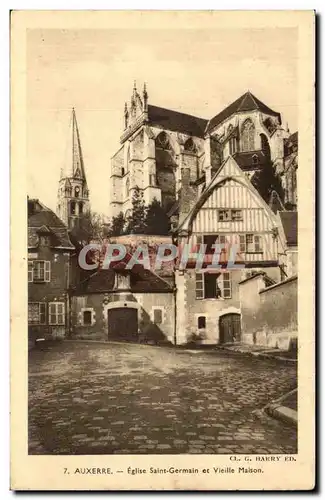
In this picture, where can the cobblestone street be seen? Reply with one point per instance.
(92, 398)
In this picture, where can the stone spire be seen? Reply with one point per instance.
(74, 164)
(73, 193)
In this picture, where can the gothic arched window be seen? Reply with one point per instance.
(81, 206)
(190, 145)
(162, 141)
(72, 208)
(76, 191)
(230, 129)
(247, 136)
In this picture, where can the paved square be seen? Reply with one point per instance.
(93, 398)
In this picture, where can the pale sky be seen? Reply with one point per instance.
(194, 71)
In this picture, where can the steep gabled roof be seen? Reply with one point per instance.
(218, 180)
(44, 220)
(247, 102)
(142, 280)
(176, 121)
(246, 161)
(289, 222)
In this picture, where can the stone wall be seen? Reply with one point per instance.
(145, 303)
(269, 315)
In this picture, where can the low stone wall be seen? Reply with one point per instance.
(269, 315)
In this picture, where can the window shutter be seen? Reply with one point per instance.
(30, 271)
(42, 313)
(47, 270)
(52, 313)
(242, 246)
(257, 243)
(226, 286)
(60, 313)
(199, 286)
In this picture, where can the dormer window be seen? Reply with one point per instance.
(122, 281)
(255, 159)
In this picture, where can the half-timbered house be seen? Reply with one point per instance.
(229, 213)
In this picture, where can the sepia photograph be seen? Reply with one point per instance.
(162, 242)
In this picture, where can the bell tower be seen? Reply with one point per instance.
(73, 193)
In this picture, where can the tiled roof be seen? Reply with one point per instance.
(245, 159)
(290, 226)
(176, 121)
(43, 218)
(142, 280)
(247, 102)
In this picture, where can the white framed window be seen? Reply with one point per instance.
(36, 313)
(213, 285)
(30, 271)
(56, 313)
(227, 215)
(224, 215)
(236, 215)
(250, 243)
(39, 271)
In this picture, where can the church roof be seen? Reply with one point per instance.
(247, 102)
(176, 121)
(74, 163)
(245, 159)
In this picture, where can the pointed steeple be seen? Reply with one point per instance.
(74, 164)
(77, 158)
(73, 193)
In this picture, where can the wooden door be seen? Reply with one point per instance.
(229, 328)
(122, 324)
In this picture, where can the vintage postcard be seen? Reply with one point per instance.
(162, 190)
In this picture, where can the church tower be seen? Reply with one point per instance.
(73, 193)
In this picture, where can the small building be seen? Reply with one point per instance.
(49, 252)
(125, 305)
